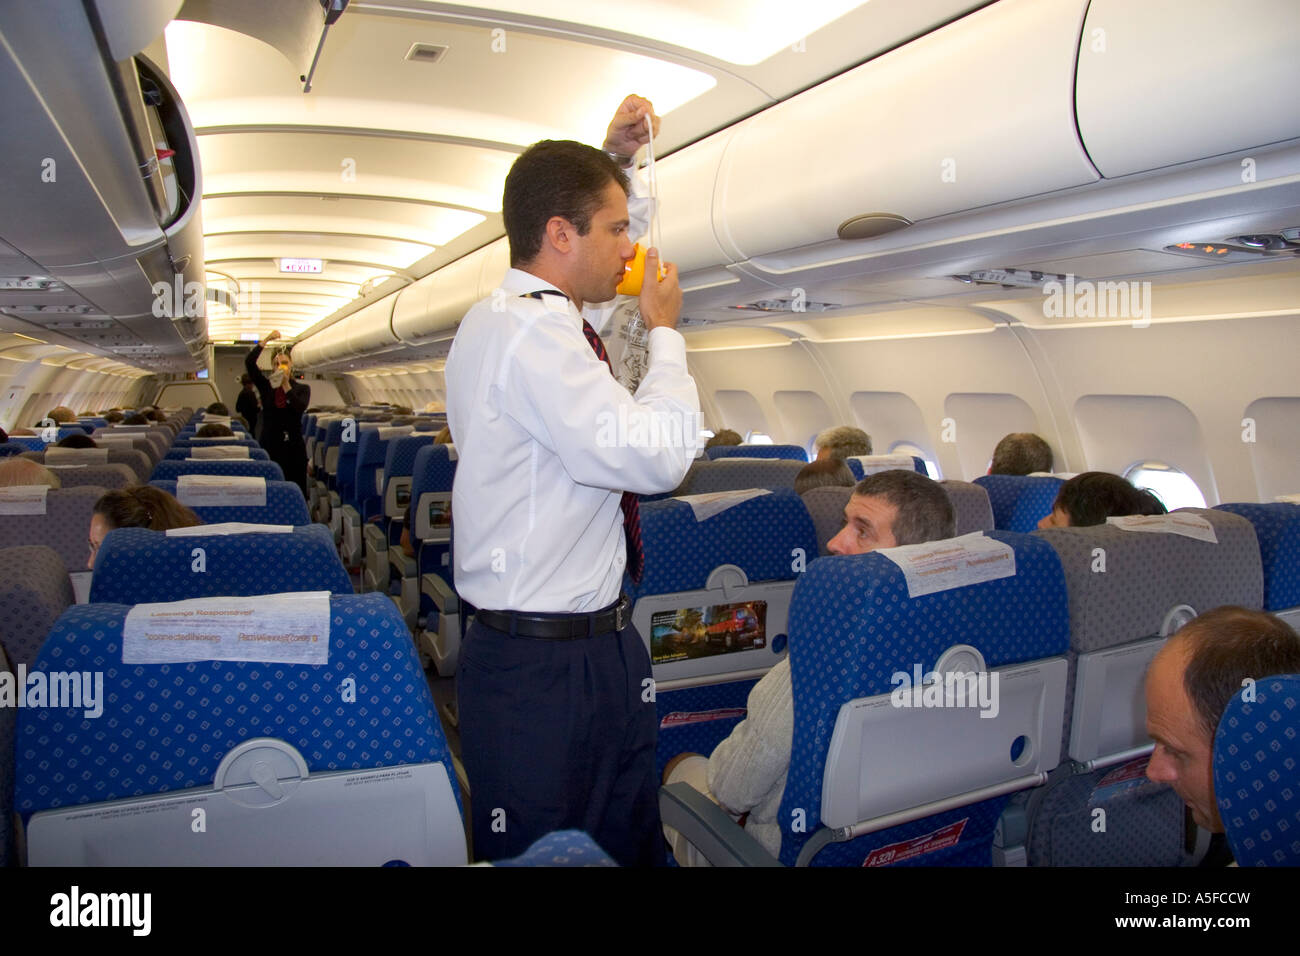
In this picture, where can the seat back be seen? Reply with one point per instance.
(136, 565)
(736, 474)
(863, 465)
(1020, 501)
(432, 477)
(1256, 754)
(713, 603)
(8, 727)
(854, 628)
(223, 452)
(108, 477)
(64, 526)
(970, 503)
(13, 448)
(284, 505)
(788, 452)
(171, 470)
(372, 453)
(1126, 589)
(169, 738)
(1277, 527)
(139, 443)
(826, 507)
(398, 472)
(34, 591)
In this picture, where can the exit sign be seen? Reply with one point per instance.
(301, 265)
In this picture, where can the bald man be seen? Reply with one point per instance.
(1189, 684)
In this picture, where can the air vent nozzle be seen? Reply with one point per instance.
(426, 52)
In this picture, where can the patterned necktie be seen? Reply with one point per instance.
(630, 504)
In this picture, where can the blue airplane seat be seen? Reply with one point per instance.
(1256, 781)
(1277, 526)
(442, 622)
(562, 848)
(168, 736)
(750, 551)
(862, 465)
(139, 566)
(250, 467)
(788, 452)
(186, 452)
(1020, 501)
(284, 505)
(383, 561)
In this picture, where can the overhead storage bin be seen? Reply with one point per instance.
(1171, 81)
(429, 308)
(976, 113)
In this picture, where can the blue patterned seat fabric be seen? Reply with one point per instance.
(171, 470)
(852, 625)
(372, 452)
(399, 462)
(1257, 773)
(14, 448)
(8, 725)
(855, 466)
(758, 536)
(166, 727)
(138, 566)
(1020, 501)
(1277, 526)
(434, 471)
(790, 452)
(191, 441)
(284, 505)
(562, 848)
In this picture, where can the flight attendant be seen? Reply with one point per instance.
(557, 718)
(283, 402)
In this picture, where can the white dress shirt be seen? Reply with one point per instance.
(547, 441)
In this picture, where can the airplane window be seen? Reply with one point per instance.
(907, 448)
(1170, 485)
(758, 438)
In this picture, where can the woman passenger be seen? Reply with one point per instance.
(1092, 497)
(136, 506)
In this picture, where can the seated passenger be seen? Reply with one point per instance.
(1020, 453)
(136, 506)
(154, 415)
(1092, 497)
(725, 437)
(218, 408)
(826, 472)
(842, 442)
(135, 418)
(214, 431)
(17, 470)
(747, 771)
(63, 415)
(1188, 686)
(113, 416)
(77, 441)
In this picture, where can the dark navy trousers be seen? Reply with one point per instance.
(556, 735)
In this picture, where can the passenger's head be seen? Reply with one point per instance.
(843, 441)
(137, 506)
(113, 417)
(62, 414)
(892, 508)
(1021, 453)
(218, 408)
(214, 430)
(154, 415)
(16, 470)
(823, 473)
(565, 208)
(1092, 497)
(247, 383)
(443, 437)
(1189, 684)
(77, 441)
(135, 418)
(724, 437)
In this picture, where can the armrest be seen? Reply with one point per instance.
(401, 562)
(444, 598)
(709, 828)
(375, 538)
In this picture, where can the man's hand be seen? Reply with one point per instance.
(661, 299)
(627, 132)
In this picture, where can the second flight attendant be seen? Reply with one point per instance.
(283, 402)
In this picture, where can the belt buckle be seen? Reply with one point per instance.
(621, 614)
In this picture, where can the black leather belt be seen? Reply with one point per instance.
(559, 627)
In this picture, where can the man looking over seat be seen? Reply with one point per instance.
(747, 772)
(843, 441)
(1188, 686)
(1021, 453)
